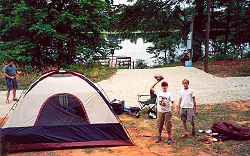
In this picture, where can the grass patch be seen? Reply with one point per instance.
(88, 150)
(204, 120)
(30, 74)
(208, 114)
(51, 154)
(172, 64)
(131, 123)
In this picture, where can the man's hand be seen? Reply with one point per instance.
(175, 111)
(196, 112)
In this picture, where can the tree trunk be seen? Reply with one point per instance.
(198, 28)
(227, 28)
(165, 56)
(207, 37)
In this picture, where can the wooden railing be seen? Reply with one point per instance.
(116, 61)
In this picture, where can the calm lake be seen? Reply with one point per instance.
(135, 51)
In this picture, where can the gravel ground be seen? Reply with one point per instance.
(126, 84)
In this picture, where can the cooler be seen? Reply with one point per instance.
(118, 106)
(188, 63)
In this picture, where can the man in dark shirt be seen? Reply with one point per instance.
(10, 72)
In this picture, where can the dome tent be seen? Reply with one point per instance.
(63, 109)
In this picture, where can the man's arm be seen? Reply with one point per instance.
(195, 108)
(179, 104)
(6, 75)
(12, 77)
(175, 108)
(152, 88)
(18, 73)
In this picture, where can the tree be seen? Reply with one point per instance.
(207, 36)
(140, 64)
(167, 46)
(199, 26)
(230, 28)
(229, 32)
(159, 21)
(57, 32)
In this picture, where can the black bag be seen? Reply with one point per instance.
(134, 109)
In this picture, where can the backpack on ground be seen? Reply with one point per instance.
(230, 131)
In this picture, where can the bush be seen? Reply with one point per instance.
(229, 56)
(2, 78)
(141, 64)
(95, 73)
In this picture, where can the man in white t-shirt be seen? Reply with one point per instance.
(164, 114)
(187, 106)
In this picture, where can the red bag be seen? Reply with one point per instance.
(233, 132)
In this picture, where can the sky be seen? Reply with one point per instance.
(116, 2)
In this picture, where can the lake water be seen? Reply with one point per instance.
(135, 51)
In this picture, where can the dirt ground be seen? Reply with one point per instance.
(143, 145)
(227, 68)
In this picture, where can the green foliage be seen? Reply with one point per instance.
(95, 73)
(140, 64)
(30, 74)
(229, 30)
(167, 25)
(173, 64)
(44, 33)
(53, 32)
(228, 56)
(157, 21)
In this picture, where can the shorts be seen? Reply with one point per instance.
(11, 84)
(164, 117)
(187, 113)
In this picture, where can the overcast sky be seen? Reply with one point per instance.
(116, 2)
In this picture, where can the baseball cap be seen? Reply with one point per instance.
(164, 83)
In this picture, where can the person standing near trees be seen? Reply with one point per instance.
(164, 99)
(187, 106)
(10, 72)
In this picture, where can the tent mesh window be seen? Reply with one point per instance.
(62, 109)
